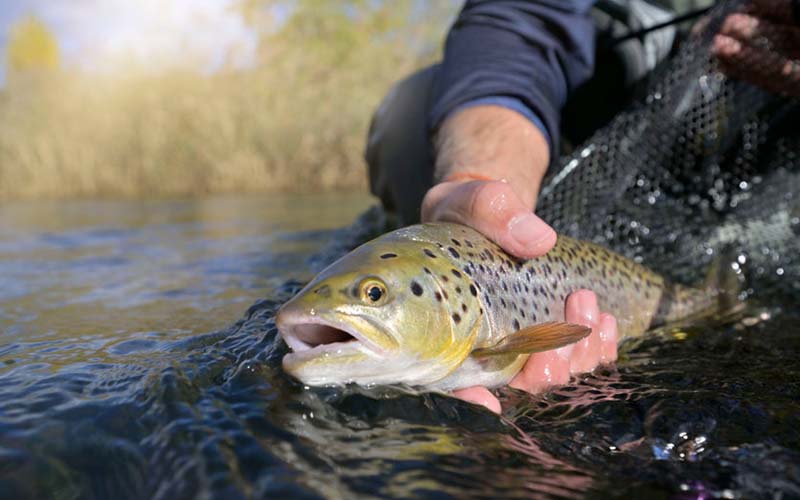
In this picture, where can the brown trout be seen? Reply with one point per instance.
(439, 305)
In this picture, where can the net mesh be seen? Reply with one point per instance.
(700, 163)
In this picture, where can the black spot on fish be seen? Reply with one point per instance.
(469, 243)
(463, 307)
(456, 242)
(456, 318)
(427, 271)
(516, 324)
(444, 292)
(458, 289)
(416, 288)
(388, 256)
(455, 273)
(473, 290)
(547, 310)
(468, 271)
(438, 296)
(505, 287)
(502, 302)
(429, 253)
(445, 278)
(487, 299)
(522, 312)
(453, 252)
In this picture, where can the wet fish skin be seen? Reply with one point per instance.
(445, 291)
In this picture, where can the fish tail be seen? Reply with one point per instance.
(720, 292)
(725, 280)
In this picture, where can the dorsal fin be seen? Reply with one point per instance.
(536, 338)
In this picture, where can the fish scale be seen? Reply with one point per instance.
(413, 306)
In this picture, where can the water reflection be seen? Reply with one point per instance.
(97, 281)
(141, 372)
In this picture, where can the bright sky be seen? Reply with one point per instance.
(91, 33)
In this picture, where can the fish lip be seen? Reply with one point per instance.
(287, 326)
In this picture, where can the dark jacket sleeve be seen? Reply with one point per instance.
(535, 51)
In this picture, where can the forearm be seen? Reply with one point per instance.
(533, 52)
(492, 142)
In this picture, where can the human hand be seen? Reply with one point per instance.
(490, 161)
(494, 209)
(761, 45)
(545, 369)
(489, 164)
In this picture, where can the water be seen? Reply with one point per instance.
(132, 365)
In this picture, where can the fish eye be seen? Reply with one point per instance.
(373, 291)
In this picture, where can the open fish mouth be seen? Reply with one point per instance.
(311, 336)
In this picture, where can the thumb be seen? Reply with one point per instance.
(493, 209)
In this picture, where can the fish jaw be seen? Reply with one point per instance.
(333, 348)
(312, 333)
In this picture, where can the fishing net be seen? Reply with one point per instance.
(700, 163)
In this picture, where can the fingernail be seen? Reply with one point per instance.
(528, 230)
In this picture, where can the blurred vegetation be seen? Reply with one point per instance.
(31, 47)
(295, 121)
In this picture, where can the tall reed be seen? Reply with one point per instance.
(294, 121)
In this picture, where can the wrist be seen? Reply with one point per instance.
(488, 142)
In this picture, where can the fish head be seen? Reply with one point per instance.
(378, 315)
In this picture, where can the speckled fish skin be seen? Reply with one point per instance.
(446, 291)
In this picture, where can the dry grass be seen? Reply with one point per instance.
(297, 122)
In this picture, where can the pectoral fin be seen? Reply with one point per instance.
(536, 338)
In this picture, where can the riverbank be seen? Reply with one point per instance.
(294, 120)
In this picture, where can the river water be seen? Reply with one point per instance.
(138, 360)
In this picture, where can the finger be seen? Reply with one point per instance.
(493, 209)
(759, 33)
(764, 68)
(582, 309)
(480, 396)
(541, 371)
(609, 336)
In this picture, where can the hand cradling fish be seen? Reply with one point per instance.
(441, 306)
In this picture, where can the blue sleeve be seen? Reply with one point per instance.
(534, 52)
